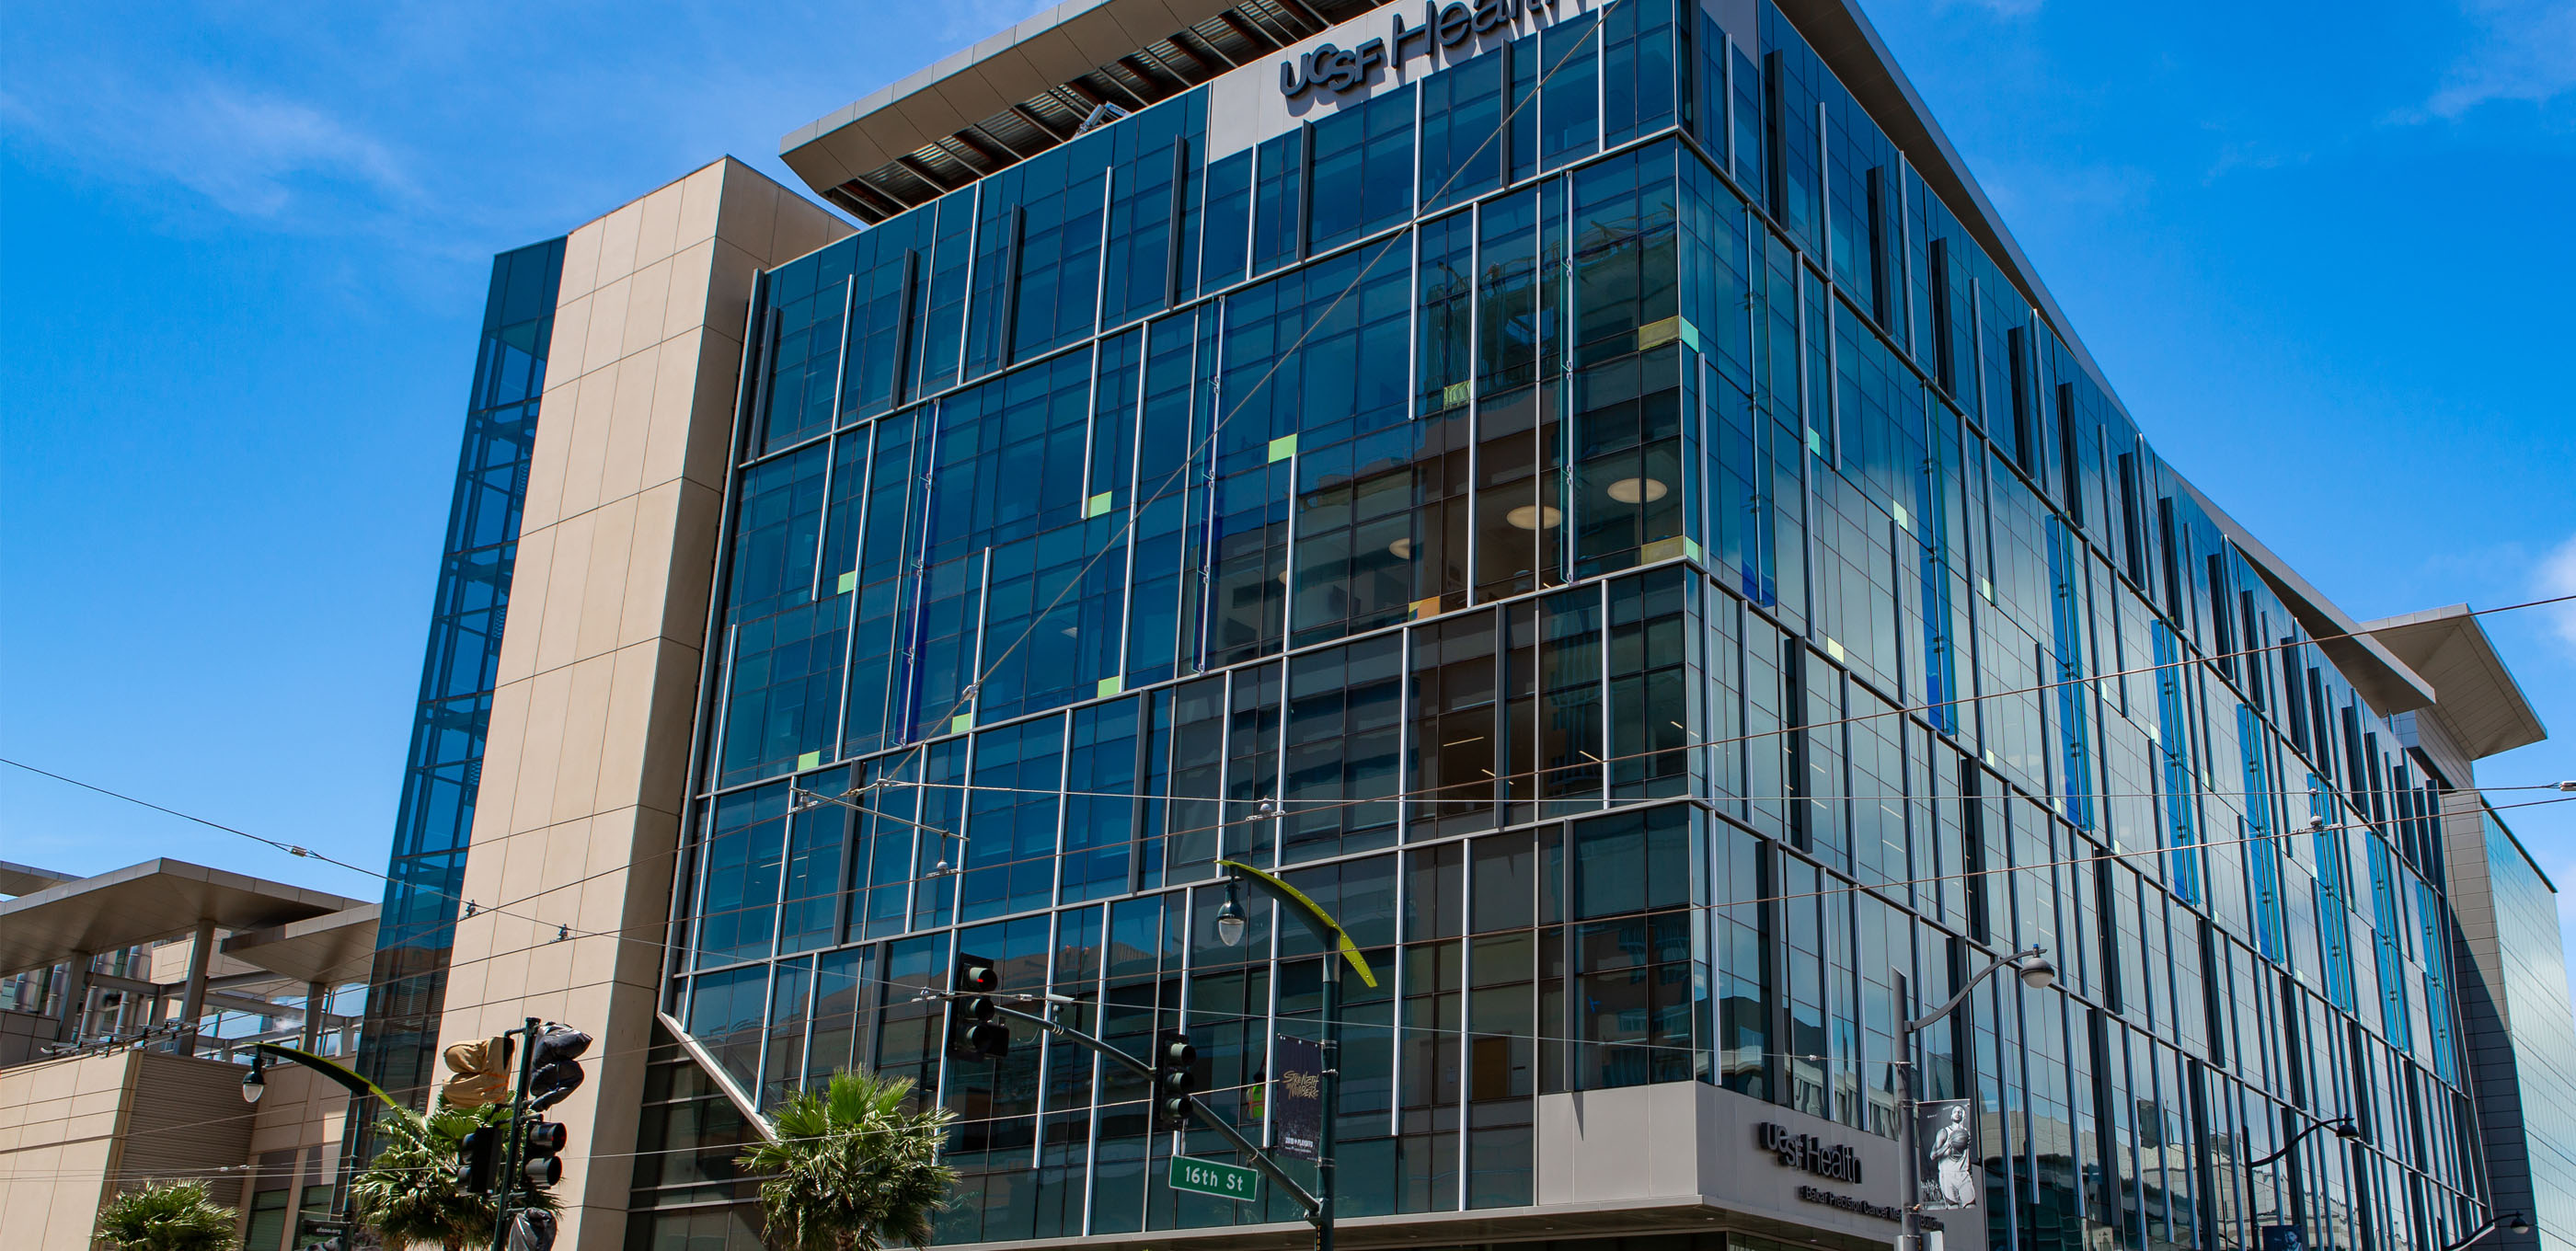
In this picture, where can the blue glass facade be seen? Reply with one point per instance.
(1674, 582)
(444, 768)
(2520, 1008)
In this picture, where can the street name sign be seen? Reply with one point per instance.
(1207, 1177)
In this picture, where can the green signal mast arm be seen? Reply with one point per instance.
(1310, 912)
(1262, 1160)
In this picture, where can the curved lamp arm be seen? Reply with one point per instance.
(1328, 930)
(2013, 961)
(2342, 1126)
(260, 1052)
(2502, 1220)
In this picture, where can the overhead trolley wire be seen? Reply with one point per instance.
(1103, 1007)
(1381, 250)
(1299, 807)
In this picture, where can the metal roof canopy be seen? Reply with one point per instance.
(332, 949)
(1030, 87)
(2476, 696)
(140, 903)
(27, 879)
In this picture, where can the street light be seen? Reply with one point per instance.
(1336, 942)
(2341, 1127)
(1230, 921)
(2036, 973)
(255, 1082)
(2510, 1222)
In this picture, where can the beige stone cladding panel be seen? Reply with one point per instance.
(57, 1148)
(577, 822)
(79, 1129)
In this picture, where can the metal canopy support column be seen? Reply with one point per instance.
(72, 1006)
(316, 997)
(192, 999)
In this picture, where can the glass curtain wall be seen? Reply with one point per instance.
(2533, 1010)
(1690, 606)
(444, 769)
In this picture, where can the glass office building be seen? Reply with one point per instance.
(444, 770)
(1685, 595)
(2518, 1023)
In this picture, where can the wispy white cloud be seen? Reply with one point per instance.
(2021, 188)
(2000, 8)
(253, 153)
(249, 152)
(2556, 575)
(2525, 50)
(2248, 155)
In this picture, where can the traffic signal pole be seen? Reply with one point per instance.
(1338, 947)
(516, 1157)
(1316, 1212)
(1331, 1077)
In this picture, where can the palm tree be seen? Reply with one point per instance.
(172, 1216)
(410, 1194)
(851, 1169)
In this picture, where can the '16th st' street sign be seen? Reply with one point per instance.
(1207, 1177)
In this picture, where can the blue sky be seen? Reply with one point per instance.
(2323, 252)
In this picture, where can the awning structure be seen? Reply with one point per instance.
(1033, 86)
(331, 950)
(26, 879)
(143, 903)
(2475, 695)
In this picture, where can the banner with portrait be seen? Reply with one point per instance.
(1945, 1131)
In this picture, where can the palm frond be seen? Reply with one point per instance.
(172, 1216)
(409, 1194)
(852, 1169)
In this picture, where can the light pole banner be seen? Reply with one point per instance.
(1297, 1096)
(1945, 1131)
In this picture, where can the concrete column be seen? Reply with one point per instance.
(316, 999)
(192, 999)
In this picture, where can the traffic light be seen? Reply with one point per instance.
(543, 1152)
(478, 1072)
(477, 1158)
(556, 1072)
(1175, 1076)
(973, 1031)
